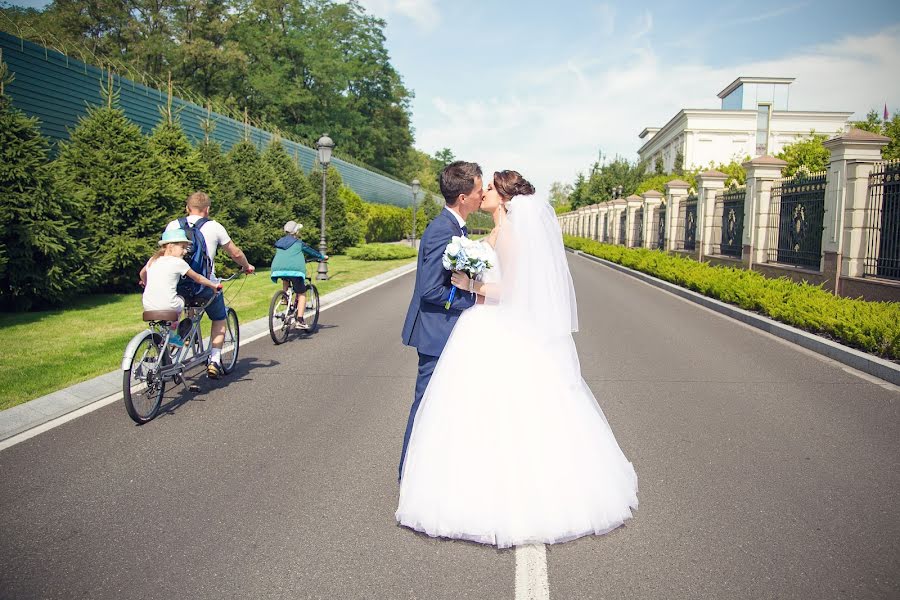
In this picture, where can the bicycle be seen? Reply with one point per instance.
(283, 312)
(150, 362)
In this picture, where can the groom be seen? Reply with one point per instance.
(428, 324)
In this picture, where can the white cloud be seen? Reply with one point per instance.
(552, 121)
(423, 13)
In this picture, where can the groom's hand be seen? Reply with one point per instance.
(460, 280)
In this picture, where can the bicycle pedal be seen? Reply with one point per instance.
(194, 387)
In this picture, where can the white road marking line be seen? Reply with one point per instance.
(531, 573)
(30, 433)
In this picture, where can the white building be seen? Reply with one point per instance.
(754, 120)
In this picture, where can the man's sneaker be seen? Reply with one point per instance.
(175, 340)
(300, 324)
(214, 370)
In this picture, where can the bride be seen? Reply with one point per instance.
(509, 446)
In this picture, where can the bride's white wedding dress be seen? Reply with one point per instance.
(509, 446)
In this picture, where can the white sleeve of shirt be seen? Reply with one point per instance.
(173, 225)
(181, 267)
(221, 235)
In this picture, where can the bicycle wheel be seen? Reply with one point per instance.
(232, 341)
(142, 387)
(279, 323)
(311, 312)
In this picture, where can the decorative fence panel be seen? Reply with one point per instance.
(687, 227)
(660, 242)
(728, 223)
(623, 220)
(605, 230)
(883, 222)
(58, 89)
(637, 235)
(797, 218)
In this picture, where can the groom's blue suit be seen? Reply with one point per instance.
(428, 324)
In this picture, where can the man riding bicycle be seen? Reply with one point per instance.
(289, 265)
(215, 236)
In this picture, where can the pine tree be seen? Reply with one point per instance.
(108, 167)
(228, 207)
(339, 235)
(41, 256)
(179, 159)
(300, 196)
(257, 185)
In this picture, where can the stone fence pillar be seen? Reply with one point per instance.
(619, 205)
(847, 203)
(762, 172)
(708, 183)
(676, 192)
(652, 202)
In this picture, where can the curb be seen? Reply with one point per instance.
(867, 363)
(107, 388)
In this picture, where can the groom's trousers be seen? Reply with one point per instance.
(426, 368)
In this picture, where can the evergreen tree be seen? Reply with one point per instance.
(179, 159)
(41, 255)
(338, 234)
(227, 206)
(300, 197)
(108, 167)
(260, 189)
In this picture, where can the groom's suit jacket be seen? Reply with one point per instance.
(428, 324)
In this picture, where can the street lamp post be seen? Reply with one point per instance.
(324, 146)
(414, 184)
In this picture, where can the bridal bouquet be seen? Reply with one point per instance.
(468, 256)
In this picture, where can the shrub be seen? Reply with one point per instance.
(870, 326)
(381, 252)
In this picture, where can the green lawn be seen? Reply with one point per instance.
(41, 352)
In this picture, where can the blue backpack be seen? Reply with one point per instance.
(197, 258)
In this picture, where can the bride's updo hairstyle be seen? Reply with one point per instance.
(511, 184)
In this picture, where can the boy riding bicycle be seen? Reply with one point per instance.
(289, 265)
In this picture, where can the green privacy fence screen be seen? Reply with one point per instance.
(58, 89)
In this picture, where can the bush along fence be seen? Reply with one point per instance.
(873, 327)
(839, 229)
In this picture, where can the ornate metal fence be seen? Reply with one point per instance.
(623, 219)
(728, 222)
(637, 231)
(883, 222)
(605, 231)
(659, 242)
(687, 229)
(795, 226)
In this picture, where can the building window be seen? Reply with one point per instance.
(763, 118)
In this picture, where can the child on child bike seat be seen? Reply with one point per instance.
(161, 274)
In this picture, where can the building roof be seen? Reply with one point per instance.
(647, 131)
(742, 80)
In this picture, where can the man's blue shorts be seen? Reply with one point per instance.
(216, 310)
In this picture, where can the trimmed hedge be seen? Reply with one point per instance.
(870, 326)
(381, 252)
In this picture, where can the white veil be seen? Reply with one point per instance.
(537, 288)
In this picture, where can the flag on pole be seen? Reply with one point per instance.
(886, 116)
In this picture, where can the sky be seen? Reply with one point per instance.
(545, 87)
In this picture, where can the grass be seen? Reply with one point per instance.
(42, 352)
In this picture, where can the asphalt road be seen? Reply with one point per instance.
(764, 472)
